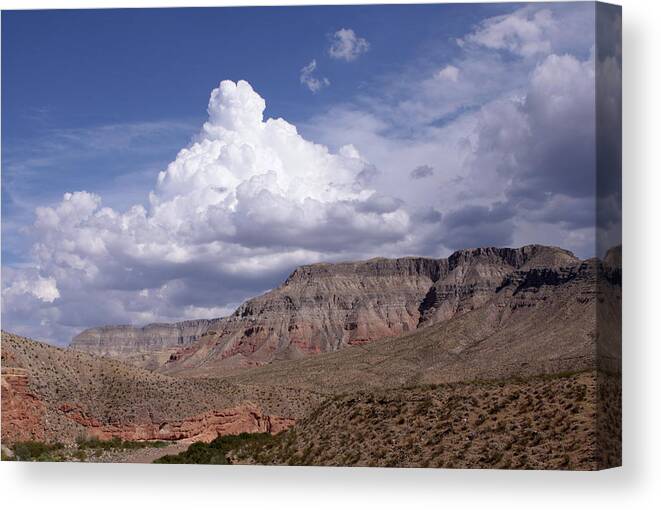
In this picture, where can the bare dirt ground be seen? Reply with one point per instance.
(143, 455)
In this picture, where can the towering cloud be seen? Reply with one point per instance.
(246, 201)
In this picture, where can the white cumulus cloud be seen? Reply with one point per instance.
(346, 45)
(43, 289)
(243, 204)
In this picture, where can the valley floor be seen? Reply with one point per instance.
(145, 455)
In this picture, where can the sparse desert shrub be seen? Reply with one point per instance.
(36, 451)
(216, 452)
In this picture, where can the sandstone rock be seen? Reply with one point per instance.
(149, 346)
(22, 411)
(324, 308)
(206, 426)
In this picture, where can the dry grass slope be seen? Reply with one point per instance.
(540, 423)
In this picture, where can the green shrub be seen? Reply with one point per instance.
(215, 452)
(36, 451)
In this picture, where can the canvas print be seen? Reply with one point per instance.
(369, 235)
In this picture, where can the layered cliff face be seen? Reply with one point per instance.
(326, 307)
(319, 308)
(539, 321)
(149, 346)
(471, 277)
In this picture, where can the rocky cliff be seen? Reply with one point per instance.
(326, 307)
(471, 277)
(538, 321)
(149, 346)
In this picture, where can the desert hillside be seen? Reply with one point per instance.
(57, 394)
(147, 347)
(550, 422)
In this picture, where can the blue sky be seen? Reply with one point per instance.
(76, 72)
(419, 130)
(140, 59)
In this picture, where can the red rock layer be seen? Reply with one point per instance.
(22, 412)
(207, 426)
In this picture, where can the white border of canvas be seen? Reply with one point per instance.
(636, 485)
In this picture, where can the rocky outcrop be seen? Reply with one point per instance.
(326, 307)
(149, 346)
(247, 417)
(471, 277)
(51, 394)
(22, 411)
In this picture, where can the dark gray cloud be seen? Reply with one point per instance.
(538, 152)
(609, 126)
(378, 203)
(427, 215)
(475, 225)
(422, 171)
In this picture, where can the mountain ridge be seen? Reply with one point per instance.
(324, 307)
